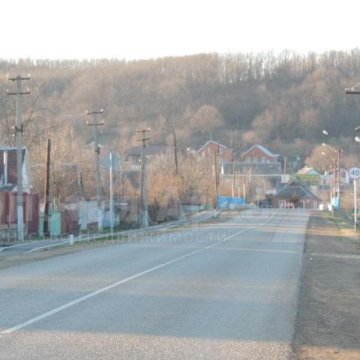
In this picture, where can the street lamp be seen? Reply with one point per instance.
(336, 168)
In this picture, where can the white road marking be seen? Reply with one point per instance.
(112, 286)
(118, 283)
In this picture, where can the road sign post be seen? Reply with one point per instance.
(355, 205)
(354, 173)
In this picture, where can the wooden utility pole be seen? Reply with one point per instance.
(144, 214)
(233, 176)
(217, 176)
(19, 151)
(47, 190)
(95, 125)
(175, 154)
(111, 193)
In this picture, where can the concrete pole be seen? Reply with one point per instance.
(47, 191)
(19, 153)
(19, 150)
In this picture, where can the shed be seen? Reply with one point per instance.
(295, 194)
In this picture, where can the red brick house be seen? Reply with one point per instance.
(211, 147)
(259, 154)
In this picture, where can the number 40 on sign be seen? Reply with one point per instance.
(354, 173)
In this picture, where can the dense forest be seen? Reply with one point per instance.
(282, 101)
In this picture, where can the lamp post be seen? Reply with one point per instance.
(330, 166)
(357, 139)
(338, 152)
(354, 91)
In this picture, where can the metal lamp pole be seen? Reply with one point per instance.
(337, 166)
(354, 91)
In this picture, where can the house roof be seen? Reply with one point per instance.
(261, 148)
(295, 189)
(307, 171)
(211, 142)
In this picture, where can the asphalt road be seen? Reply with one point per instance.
(215, 291)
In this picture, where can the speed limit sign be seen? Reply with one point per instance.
(354, 173)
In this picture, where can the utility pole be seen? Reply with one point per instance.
(338, 173)
(217, 177)
(47, 190)
(111, 194)
(175, 154)
(19, 151)
(95, 125)
(144, 215)
(233, 176)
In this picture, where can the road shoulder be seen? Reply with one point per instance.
(328, 319)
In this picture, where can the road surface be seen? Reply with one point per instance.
(212, 291)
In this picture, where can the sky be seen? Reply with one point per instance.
(143, 29)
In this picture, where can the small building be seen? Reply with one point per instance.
(309, 176)
(259, 154)
(295, 194)
(212, 147)
(256, 163)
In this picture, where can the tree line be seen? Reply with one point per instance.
(281, 101)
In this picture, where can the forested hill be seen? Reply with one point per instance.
(282, 101)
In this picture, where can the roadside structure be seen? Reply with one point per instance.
(207, 151)
(296, 194)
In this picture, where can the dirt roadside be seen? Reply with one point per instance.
(328, 320)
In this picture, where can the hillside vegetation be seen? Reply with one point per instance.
(280, 101)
